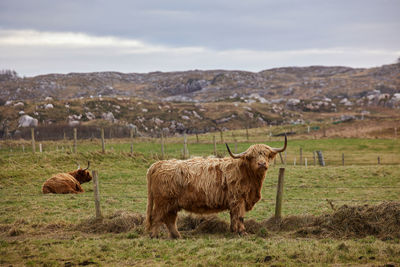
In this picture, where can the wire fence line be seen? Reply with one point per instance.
(90, 196)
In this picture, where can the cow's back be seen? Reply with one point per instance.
(198, 184)
(62, 183)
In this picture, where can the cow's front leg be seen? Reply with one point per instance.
(237, 218)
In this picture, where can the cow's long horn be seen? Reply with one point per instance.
(88, 164)
(278, 150)
(235, 156)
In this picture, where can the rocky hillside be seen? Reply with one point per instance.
(315, 82)
(196, 101)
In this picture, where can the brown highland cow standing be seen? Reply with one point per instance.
(65, 183)
(204, 186)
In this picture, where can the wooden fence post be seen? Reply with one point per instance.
(103, 147)
(395, 132)
(197, 138)
(40, 148)
(162, 145)
(294, 161)
(33, 140)
(23, 148)
(321, 158)
(75, 139)
(279, 196)
(247, 133)
(379, 160)
(131, 138)
(215, 145)
(301, 156)
(96, 195)
(342, 159)
(305, 162)
(222, 137)
(184, 146)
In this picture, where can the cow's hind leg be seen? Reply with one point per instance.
(158, 214)
(170, 221)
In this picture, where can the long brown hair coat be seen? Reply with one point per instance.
(208, 185)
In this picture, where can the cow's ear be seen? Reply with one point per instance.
(272, 155)
(249, 156)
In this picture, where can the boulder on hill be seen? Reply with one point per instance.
(27, 121)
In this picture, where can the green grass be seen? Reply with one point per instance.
(33, 215)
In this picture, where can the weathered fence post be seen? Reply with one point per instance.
(131, 138)
(379, 160)
(96, 195)
(162, 145)
(75, 139)
(305, 162)
(301, 156)
(215, 145)
(40, 148)
(294, 161)
(33, 140)
(197, 138)
(247, 133)
(279, 196)
(103, 147)
(23, 148)
(308, 128)
(184, 146)
(222, 137)
(342, 159)
(321, 158)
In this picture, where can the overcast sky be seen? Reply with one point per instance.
(52, 36)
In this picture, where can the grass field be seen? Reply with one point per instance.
(37, 229)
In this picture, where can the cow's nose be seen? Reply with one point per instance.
(262, 164)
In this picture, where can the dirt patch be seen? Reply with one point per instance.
(118, 222)
(382, 221)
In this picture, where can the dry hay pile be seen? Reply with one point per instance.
(118, 222)
(382, 221)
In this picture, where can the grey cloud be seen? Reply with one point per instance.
(272, 25)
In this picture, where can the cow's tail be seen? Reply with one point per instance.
(149, 211)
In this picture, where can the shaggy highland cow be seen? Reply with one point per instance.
(65, 183)
(204, 186)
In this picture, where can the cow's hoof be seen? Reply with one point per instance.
(243, 233)
(174, 236)
(153, 236)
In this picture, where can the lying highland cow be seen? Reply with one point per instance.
(65, 183)
(206, 186)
